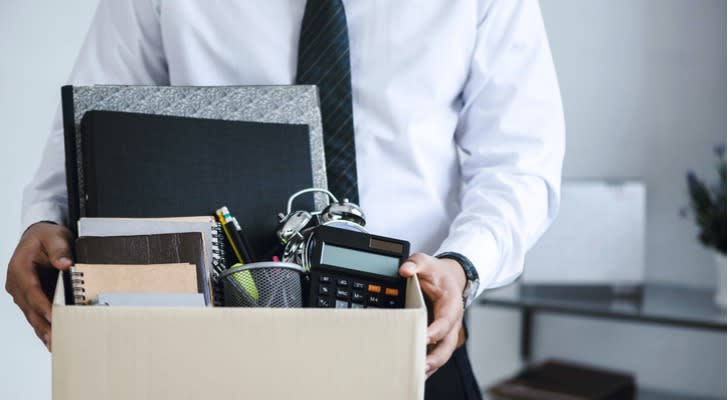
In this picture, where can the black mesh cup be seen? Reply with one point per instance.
(263, 284)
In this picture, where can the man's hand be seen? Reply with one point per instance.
(42, 244)
(443, 282)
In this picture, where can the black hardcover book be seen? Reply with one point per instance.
(141, 165)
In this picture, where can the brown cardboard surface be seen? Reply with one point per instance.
(233, 353)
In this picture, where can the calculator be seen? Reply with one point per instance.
(351, 269)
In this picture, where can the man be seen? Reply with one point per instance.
(407, 90)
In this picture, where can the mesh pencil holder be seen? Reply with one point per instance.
(263, 284)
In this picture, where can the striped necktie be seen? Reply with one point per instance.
(323, 60)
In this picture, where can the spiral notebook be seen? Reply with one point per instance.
(88, 280)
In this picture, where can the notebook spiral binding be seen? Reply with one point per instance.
(218, 261)
(77, 283)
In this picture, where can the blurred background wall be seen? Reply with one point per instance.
(644, 90)
(39, 41)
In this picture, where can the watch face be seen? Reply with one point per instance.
(468, 290)
(471, 289)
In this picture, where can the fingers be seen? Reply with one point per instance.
(41, 244)
(442, 334)
(441, 352)
(38, 302)
(448, 313)
(440, 281)
(23, 284)
(31, 300)
(445, 295)
(41, 327)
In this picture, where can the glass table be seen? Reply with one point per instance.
(657, 303)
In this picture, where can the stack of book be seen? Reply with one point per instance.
(146, 255)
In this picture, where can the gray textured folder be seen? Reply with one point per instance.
(296, 104)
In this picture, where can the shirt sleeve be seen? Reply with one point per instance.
(511, 131)
(123, 46)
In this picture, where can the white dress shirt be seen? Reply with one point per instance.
(428, 78)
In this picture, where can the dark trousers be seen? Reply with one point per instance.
(454, 380)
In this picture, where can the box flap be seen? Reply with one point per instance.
(59, 296)
(414, 297)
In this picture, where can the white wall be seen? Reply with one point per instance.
(644, 90)
(38, 42)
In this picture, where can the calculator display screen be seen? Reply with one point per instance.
(359, 260)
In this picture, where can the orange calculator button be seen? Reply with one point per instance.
(391, 292)
(375, 288)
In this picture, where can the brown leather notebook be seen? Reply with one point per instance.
(88, 280)
(163, 248)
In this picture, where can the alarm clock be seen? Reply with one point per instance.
(351, 269)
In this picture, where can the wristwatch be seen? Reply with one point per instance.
(471, 287)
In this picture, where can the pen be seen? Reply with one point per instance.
(236, 236)
(244, 278)
(226, 227)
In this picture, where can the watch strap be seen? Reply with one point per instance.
(471, 274)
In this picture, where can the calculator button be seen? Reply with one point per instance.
(373, 300)
(391, 292)
(324, 290)
(343, 294)
(323, 302)
(375, 288)
(357, 296)
(358, 285)
(355, 305)
(324, 278)
(342, 304)
(342, 282)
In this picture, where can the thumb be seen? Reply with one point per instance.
(417, 263)
(408, 269)
(58, 251)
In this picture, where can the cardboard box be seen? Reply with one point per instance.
(234, 353)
